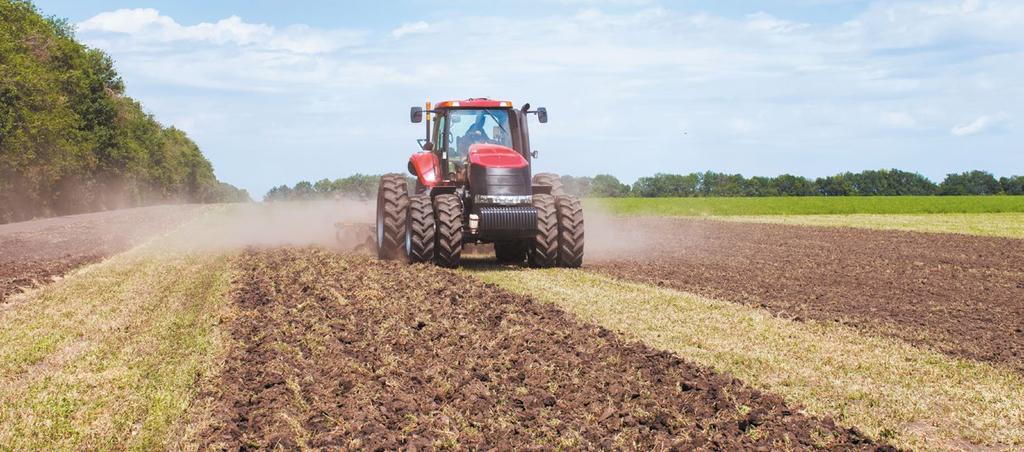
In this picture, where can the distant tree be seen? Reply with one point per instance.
(837, 185)
(890, 182)
(303, 191)
(279, 193)
(1013, 185)
(790, 185)
(608, 186)
(667, 185)
(357, 186)
(360, 186)
(324, 187)
(577, 186)
(970, 183)
(721, 184)
(760, 186)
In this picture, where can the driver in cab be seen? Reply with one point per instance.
(475, 134)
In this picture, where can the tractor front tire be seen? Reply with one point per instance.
(544, 252)
(550, 180)
(570, 231)
(511, 252)
(420, 229)
(448, 211)
(392, 208)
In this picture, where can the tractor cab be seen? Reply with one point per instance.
(459, 133)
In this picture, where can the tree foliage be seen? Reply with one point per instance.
(71, 141)
(970, 183)
(357, 186)
(1013, 185)
(885, 182)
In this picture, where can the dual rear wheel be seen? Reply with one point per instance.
(422, 229)
(559, 239)
(417, 227)
(434, 231)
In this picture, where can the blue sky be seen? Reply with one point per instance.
(277, 92)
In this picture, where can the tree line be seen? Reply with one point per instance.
(71, 141)
(357, 186)
(885, 182)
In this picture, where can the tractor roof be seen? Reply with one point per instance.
(476, 102)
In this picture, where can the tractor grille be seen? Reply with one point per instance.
(521, 219)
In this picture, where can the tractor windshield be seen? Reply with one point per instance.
(468, 127)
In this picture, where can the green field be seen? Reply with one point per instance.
(809, 205)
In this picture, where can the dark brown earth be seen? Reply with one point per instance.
(35, 252)
(962, 295)
(338, 351)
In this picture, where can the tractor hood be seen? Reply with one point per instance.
(496, 170)
(495, 156)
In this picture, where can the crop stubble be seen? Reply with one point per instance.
(335, 350)
(961, 295)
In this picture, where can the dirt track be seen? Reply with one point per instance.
(336, 351)
(962, 295)
(34, 252)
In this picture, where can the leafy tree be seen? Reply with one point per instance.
(577, 186)
(1013, 185)
(837, 185)
(721, 184)
(608, 186)
(970, 183)
(790, 185)
(70, 141)
(890, 183)
(667, 185)
(358, 186)
(760, 186)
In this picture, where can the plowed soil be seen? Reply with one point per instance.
(962, 295)
(348, 352)
(35, 252)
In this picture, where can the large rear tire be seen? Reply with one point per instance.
(544, 250)
(550, 180)
(420, 231)
(511, 252)
(392, 208)
(570, 231)
(448, 210)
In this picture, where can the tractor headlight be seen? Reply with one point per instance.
(505, 200)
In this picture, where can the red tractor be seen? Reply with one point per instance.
(474, 185)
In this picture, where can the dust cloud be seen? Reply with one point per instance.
(348, 225)
(344, 225)
(610, 236)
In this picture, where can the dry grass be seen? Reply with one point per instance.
(107, 358)
(886, 388)
(989, 224)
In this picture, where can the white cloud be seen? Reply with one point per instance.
(148, 25)
(410, 28)
(759, 94)
(974, 127)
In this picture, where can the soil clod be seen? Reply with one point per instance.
(493, 369)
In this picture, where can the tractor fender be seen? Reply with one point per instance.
(426, 167)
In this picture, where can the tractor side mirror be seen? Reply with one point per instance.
(542, 115)
(534, 154)
(416, 114)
